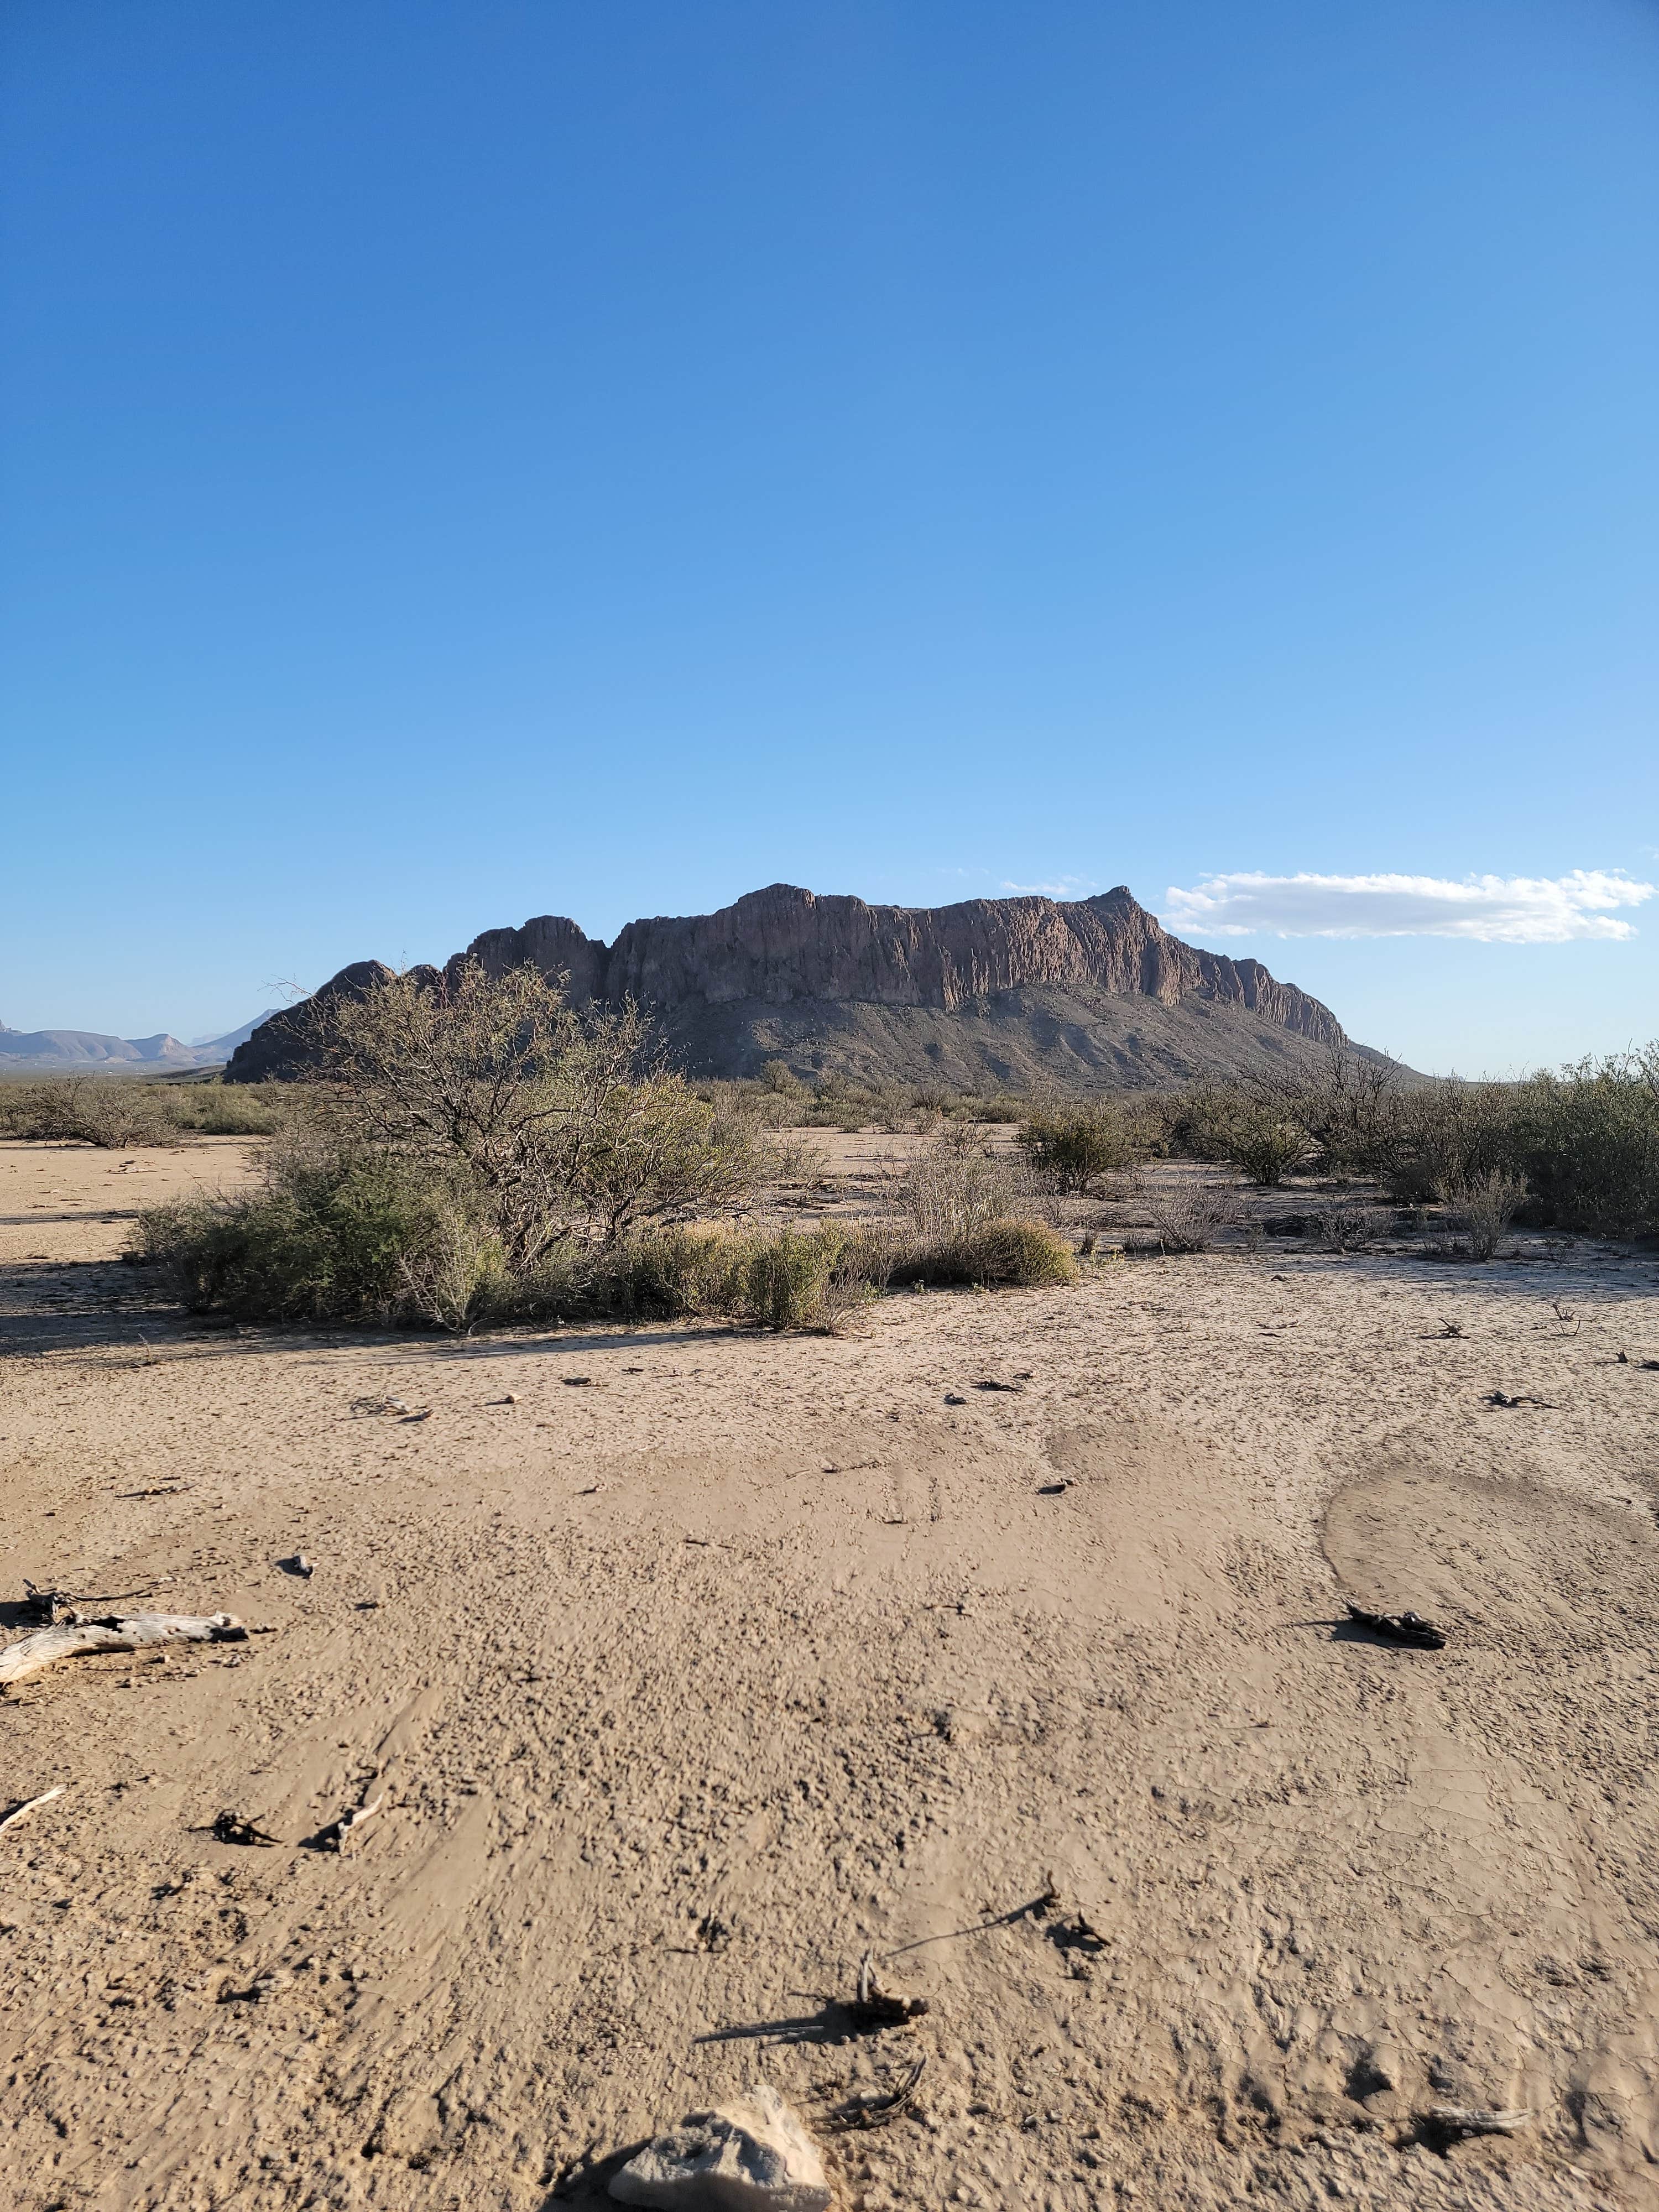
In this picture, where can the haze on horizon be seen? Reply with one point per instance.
(469, 463)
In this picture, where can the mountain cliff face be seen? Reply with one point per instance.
(771, 972)
(781, 944)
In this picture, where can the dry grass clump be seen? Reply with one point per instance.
(1353, 1228)
(1482, 1208)
(1184, 1216)
(952, 1185)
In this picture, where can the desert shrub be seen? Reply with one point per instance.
(1267, 1145)
(1353, 1227)
(1186, 1217)
(455, 1275)
(562, 1125)
(1483, 1207)
(324, 1237)
(786, 1278)
(998, 1110)
(1070, 1151)
(1587, 1140)
(1340, 1118)
(792, 1280)
(1446, 1134)
(1198, 1123)
(952, 1185)
(110, 1111)
(24, 1111)
(465, 1139)
(230, 1110)
(1004, 1253)
(1349, 1111)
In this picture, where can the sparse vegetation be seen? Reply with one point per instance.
(119, 1113)
(781, 1097)
(1583, 1141)
(1353, 1227)
(1185, 1216)
(952, 1185)
(477, 1152)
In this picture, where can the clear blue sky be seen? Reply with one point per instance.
(469, 458)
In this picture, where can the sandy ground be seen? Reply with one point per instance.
(685, 1685)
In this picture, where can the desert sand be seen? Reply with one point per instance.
(689, 1663)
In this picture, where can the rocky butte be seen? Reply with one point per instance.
(987, 993)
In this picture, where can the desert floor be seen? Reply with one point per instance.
(691, 1662)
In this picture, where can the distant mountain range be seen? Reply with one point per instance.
(85, 1052)
(1010, 993)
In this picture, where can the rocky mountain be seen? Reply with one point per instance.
(987, 993)
(85, 1052)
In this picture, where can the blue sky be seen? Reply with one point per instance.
(470, 460)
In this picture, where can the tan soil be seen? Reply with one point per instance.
(685, 1686)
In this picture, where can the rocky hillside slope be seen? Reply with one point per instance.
(981, 994)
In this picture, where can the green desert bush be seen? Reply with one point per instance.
(794, 1279)
(1267, 1144)
(323, 1237)
(1584, 1140)
(232, 1109)
(1069, 1150)
(1587, 1141)
(1004, 1253)
(1448, 1134)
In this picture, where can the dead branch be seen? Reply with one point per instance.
(876, 2007)
(334, 1837)
(231, 1828)
(1398, 1627)
(1454, 2120)
(29, 1804)
(76, 1636)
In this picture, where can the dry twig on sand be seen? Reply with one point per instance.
(334, 1836)
(875, 2007)
(29, 1804)
(870, 2110)
(231, 1828)
(1400, 1628)
(76, 1636)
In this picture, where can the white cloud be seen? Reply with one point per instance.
(1494, 909)
(1064, 887)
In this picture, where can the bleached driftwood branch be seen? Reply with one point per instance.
(73, 1637)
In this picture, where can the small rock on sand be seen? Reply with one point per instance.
(752, 2155)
